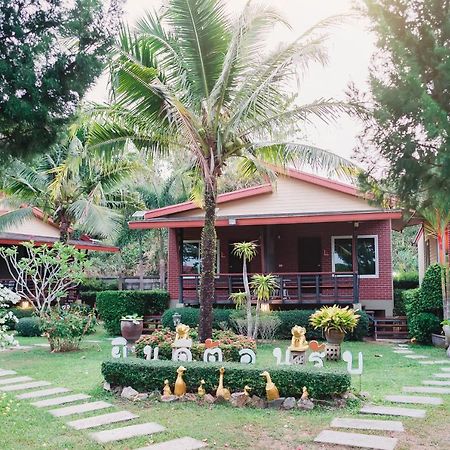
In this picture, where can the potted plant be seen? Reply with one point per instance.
(335, 322)
(446, 328)
(131, 327)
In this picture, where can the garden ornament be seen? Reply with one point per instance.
(247, 356)
(348, 358)
(182, 332)
(182, 354)
(271, 390)
(298, 342)
(314, 346)
(317, 358)
(277, 354)
(305, 394)
(201, 390)
(119, 347)
(209, 343)
(213, 355)
(148, 352)
(221, 391)
(180, 385)
(166, 390)
(247, 388)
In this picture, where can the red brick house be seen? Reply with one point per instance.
(322, 239)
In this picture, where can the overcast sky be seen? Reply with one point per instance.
(350, 48)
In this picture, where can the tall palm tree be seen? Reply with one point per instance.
(73, 187)
(194, 79)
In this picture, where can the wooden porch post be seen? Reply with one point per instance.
(355, 264)
(262, 243)
(180, 256)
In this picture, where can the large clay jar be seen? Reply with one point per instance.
(446, 329)
(131, 330)
(334, 336)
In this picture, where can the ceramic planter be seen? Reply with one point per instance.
(131, 329)
(334, 336)
(446, 329)
(438, 340)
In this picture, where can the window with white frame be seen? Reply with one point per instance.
(366, 255)
(191, 256)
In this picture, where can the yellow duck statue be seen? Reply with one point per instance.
(271, 390)
(201, 390)
(247, 390)
(166, 390)
(180, 385)
(221, 391)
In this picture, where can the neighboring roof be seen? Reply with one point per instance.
(83, 244)
(297, 198)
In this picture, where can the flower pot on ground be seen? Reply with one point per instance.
(131, 327)
(334, 336)
(446, 328)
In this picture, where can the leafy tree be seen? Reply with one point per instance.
(192, 79)
(404, 253)
(73, 187)
(51, 52)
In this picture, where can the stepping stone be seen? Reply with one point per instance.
(42, 345)
(42, 393)
(393, 411)
(78, 409)
(416, 356)
(414, 399)
(14, 380)
(356, 440)
(437, 382)
(118, 434)
(4, 372)
(403, 345)
(60, 400)
(439, 361)
(426, 390)
(104, 419)
(403, 352)
(185, 443)
(446, 369)
(93, 341)
(441, 375)
(22, 387)
(368, 424)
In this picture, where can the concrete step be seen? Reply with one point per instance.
(393, 411)
(42, 393)
(60, 400)
(367, 424)
(104, 419)
(119, 434)
(426, 390)
(185, 443)
(356, 440)
(436, 382)
(420, 400)
(79, 409)
(4, 372)
(24, 386)
(15, 380)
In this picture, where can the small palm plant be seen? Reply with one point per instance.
(263, 287)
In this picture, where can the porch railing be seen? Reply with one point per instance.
(312, 288)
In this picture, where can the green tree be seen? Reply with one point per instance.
(404, 252)
(74, 188)
(51, 52)
(192, 79)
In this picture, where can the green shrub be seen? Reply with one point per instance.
(190, 316)
(230, 344)
(146, 376)
(431, 290)
(422, 325)
(406, 280)
(112, 305)
(19, 313)
(361, 330)
(29, 327)
(296, 317)
(90, 286)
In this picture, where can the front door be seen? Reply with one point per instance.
(309, 254)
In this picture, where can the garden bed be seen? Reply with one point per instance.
(147, 376)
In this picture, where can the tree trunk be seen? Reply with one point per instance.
(64, 226)
(162, 260)
(445, 275)
(249, 297)
(256, 324)
(208, 260)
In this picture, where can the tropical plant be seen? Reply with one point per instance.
(45, 274)
(7, 298)
(246, 251)
(193, 79)
(335, 318)
(263, 287)
(73, 187)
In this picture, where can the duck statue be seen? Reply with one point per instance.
(221, 391)
(271, 390)
(180, 385)
(201, 390)
(166, 390)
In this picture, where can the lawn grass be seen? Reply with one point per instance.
(224, 427)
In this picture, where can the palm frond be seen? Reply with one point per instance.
(11, 219)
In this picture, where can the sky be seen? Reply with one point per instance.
(350, 48)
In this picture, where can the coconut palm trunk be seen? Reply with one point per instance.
(208, 260)
(64, 227)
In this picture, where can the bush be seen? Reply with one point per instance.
(19, 313)
(296, 317)
(431, 290)
(230, 344)
(422, 325)
(402, 282)
(66, 326)
(361, 330)
(147, 376)
(112, 305)
(190, 316)
(29, 327)
(88, 289)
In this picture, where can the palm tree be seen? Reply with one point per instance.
(73, 188)
(192, 79)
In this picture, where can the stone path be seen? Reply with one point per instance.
(420, 400)
(393, 411)
(403, 351)
(441, 375)
(416, 356)
(24, 383)
(119, 434)
(426, 390)
(439, 361)
(368, 424)
(356, 440)
(436, 382)
(446, 369)
(185, 443)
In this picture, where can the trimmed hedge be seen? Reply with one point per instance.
(147, 376)
(431, 290)
(422, 325)
(289, 318)
(89, 288)
(112, 305)
(29, 327)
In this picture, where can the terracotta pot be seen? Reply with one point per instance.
(131, 331)
(334, 336)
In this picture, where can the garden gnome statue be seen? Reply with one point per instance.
(298, 346)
